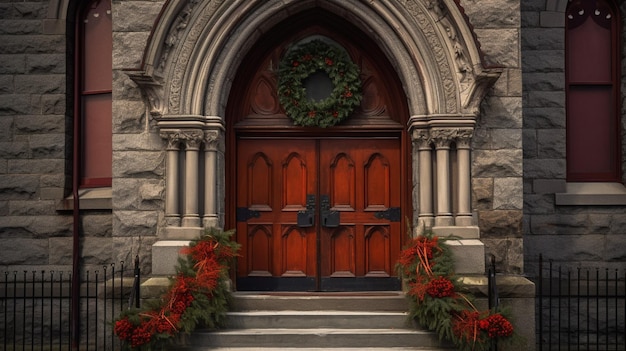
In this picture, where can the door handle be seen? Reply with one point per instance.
(330, 218)
(306, 218)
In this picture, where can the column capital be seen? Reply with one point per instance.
(192, 138)
(464, 138)
(212, 139)
(173, 140)
(443, 137)
(421, 138)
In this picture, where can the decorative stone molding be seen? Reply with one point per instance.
(193, 54)
(212, 139)
(421, 139)
(173, 140)
(153, 92)
(192, 139)
(442, 138)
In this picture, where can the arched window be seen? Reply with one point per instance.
(592, 59)
(93, 85)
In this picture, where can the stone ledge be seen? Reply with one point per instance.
(89, 199)
(154, 287)
(509, 286)
(592, 194)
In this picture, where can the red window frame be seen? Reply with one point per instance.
(592, 71)
(93, 94)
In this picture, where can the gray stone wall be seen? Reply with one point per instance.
(32, 137)
(590, 235)
(138, 150)
(497, 144)
(35, 138)
(35, 147)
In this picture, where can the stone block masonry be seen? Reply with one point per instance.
(570, 231)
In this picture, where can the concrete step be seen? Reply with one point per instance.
(320, 349)
(365, 301)
(315, 337)
(317, 319)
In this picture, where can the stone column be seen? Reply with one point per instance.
(422, 143)
(191, 217)
(172, 198)
(211, 143)
(464, 215)
(442, 139)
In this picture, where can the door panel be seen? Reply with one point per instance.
(274, 179)
(313, 214)
(358, 175)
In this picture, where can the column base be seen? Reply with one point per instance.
(211, 222)
(444, 220)
(191, 221)
(465, 232)
(181, 233)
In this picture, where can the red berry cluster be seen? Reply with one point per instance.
(496, 326)
(440, 287)
(141, 335)
(123, 328)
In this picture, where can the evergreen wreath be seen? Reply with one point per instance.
(198, 295)
(440, 302)
(305, 60)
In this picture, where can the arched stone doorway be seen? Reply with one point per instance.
(351, 179)
(197, 48)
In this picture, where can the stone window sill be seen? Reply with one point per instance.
(592, 194)
(89, 199)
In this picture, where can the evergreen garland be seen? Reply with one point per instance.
(305, 60)
(440, 302)
(198, 295)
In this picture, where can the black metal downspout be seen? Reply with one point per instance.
(76, 164)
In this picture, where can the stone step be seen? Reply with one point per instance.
(314, 337)
(320, 349)
(365, 301)
(317, 319)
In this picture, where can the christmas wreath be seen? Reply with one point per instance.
(305, 60)
(439, 301)
(198, 294)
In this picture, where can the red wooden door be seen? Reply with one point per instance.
(318, 214)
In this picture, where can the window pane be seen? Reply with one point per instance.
(591, 136)
(589, 53)
(97, 48)
(97, 143)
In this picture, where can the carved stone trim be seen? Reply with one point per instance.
(443, 137)
(212, 139)
(153, 92)
(421, 139)
(173, 140)
(464, 138)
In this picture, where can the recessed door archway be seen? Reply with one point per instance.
(317, 208)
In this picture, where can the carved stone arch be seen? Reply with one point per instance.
(197, 46)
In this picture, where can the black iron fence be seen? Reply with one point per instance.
(580, 308)
(36, 308)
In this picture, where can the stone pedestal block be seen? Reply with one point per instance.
(469, 256)
(165, 255)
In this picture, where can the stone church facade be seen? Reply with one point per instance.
(472, 93)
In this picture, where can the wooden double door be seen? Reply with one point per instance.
(318, 214)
